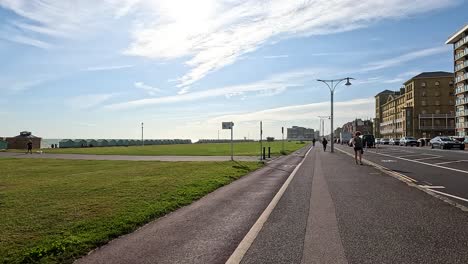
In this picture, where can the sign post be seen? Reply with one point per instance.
(282, 143)
(230, 125)
(261, 136)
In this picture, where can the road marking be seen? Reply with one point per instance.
(431, 187)
(420, 154)
(434, 193)
(449, 195)
(453, 161)
(247, 241)
(433, 157)
(420, 162)
(388, 161)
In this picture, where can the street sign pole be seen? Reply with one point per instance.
(232, 143)
(261, 135)
(282, 132)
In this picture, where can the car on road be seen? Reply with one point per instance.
(384, 141)
(446, 143)
(424, 142)
(394, 141)
(368, 141)
(377, 141)
(408, 141)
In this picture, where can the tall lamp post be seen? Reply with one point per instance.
(332, 84)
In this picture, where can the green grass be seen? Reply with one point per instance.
(53, 211)
(211, 149)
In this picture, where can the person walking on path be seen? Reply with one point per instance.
(313, 142)
(358, 147)
(30, 144)
(324, 143)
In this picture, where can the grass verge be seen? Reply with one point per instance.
(208, 149)
(54, 211)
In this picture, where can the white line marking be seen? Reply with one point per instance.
(431, 187)
(453, 161)
(449, 195)
(433, 157)
(414, 155)
(420, 162)
(245, 244)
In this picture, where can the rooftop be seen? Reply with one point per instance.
(432, 75)
(457, 35)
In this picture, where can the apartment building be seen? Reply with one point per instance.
(424, 107)
(460, 55)
(300, 133)
(380, 99)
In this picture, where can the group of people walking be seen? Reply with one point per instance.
(356, 142)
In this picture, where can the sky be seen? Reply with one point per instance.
(98, 69)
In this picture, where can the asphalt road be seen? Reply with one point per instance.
(444, 172)
(337, 212)
(208, 230)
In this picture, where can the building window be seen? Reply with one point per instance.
(450, 102)
(424, 112)
(422, 102)
(437, 83)
(423, 93)
(423, 84)
(437, 93)
(437, 102)
(437, 111)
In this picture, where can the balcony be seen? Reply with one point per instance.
(436, 127)
(461, 54)
(461, 66)
(461, 88)
(461, 78)
(438, 116)
(461, 42)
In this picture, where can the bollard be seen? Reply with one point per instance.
(263, 152)
(269, 152)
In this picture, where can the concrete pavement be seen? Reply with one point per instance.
(333, 211)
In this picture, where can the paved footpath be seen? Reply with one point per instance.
(123, 157)
(332, 211)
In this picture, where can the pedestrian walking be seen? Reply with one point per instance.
(30, 144)
(358, 147)
(313, 142)
(324, 143)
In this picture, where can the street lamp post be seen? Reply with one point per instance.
(332, 84)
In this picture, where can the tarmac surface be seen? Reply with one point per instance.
(444, 172)
(123, 157)
(333, 211)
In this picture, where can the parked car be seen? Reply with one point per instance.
(377, 141)
(384, 141)
(394, 141)
(424, 142)
(446, 143)
(408, 141)
(368, 141)
(456, 138)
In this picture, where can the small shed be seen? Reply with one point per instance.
(91, 143)
(21, 141)
(102, 143)
(80, 143)
(66, 143)
(112, 142)
(3, 144)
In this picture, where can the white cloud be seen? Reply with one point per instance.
(149, 89)
(22, 85)
(88, 101)
(276, 56)
(214, 34)
(387, 63)
(402, 77)
(108, 68)
(271, 86)
(28, 41)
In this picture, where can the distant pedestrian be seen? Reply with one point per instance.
(313, 142)
(358, 147)
(30, 144)
(324, 143)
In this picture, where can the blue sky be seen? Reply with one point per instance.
(97, 69)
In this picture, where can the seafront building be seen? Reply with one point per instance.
(300, 133)
(424, 107)
(460, 55)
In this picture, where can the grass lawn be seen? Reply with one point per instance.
(53, 211)
(209, 149)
